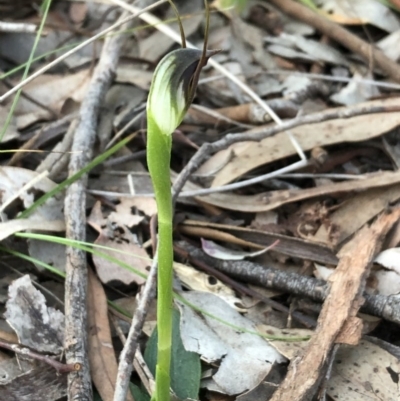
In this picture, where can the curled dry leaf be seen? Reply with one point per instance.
(387, 280)
(219, 252)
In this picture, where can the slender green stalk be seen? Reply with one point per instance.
(158, 159)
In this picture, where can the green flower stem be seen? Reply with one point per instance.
(158, 160)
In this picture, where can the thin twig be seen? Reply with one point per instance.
(58, 366)
(126, 357)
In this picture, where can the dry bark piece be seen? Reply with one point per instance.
(342, 304)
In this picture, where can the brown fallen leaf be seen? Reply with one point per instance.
(70, 86)
(273, 199)
(103, 362)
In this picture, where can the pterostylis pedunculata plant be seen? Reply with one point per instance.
(171, 93)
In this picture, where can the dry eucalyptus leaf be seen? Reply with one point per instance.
(245, 358)
(71, 86)
(321, 51)
(359, 372)
(364, 373)
(131, 254)
(14, 226)
(103, 361)
(146, 205)
(273, 199)
(354, 213)
(11, 132)
(157, 44)
(37, 326)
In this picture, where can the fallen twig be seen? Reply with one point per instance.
(126, 357)
(27, 352)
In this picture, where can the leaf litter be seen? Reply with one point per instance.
(308, 217)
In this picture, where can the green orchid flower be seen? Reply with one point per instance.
(173, 87)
